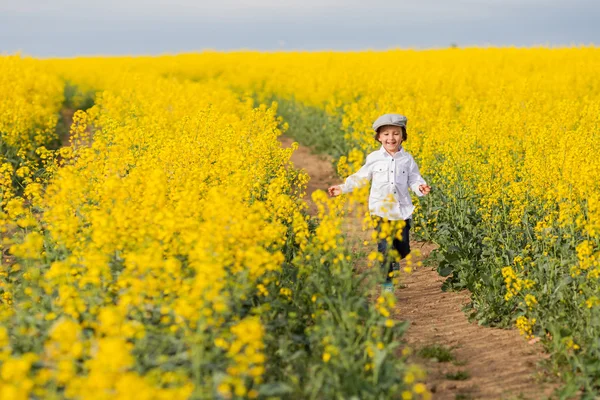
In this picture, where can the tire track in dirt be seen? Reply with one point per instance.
(498, 363)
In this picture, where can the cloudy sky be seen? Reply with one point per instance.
(50, 28)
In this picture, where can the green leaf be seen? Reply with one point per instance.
(275, 389)
(445, 270)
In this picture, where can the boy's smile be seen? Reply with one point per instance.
(391, 138)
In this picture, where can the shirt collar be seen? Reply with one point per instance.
(398, 153)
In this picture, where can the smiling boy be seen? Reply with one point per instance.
(391, 171)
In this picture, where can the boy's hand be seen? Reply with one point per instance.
(425, 189)
(334, 191)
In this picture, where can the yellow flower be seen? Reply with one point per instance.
(419, 388)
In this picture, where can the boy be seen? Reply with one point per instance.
(392, 171)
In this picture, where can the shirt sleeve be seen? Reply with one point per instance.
(359, 179)
(414, 178)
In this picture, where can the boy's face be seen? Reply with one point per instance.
(390, 137)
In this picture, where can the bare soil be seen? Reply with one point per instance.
(65, 135)
(318, 167)
(67, 120)
(494, 363)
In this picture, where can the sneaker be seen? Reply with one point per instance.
(387, 287)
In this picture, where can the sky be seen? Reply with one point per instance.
(65, 28)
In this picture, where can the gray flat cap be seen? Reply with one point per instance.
(390, 119)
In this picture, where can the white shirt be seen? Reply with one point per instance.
(391, 176)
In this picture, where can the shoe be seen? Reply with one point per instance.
(387, 287)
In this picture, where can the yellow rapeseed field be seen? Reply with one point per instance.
(166, 253)
(31, 97)
(509, 138)
(145, 242)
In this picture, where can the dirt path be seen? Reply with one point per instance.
(319, 168)
(64, 131)
(488, 363)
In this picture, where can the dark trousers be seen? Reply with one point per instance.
(401, 246)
